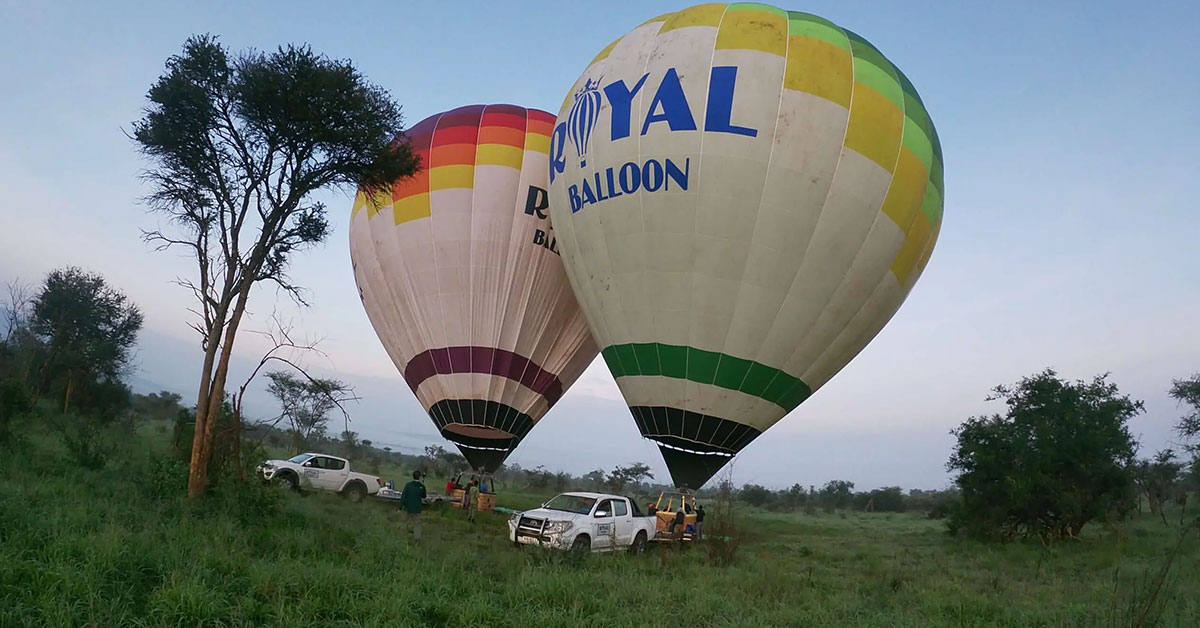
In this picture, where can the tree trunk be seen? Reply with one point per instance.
(237, 436)
(216, 395)
(202, 454)
(198, 471)
(67, 396)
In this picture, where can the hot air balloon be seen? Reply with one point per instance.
(752, 201)
(460, 276)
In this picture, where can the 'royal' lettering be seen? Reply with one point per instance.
(536, 202)
(720, 103)
(620, 100)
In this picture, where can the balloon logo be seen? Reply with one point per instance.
(583, 117)
(763, 190)
(459, 273)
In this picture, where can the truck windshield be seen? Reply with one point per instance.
(572, 503)
(300, 459)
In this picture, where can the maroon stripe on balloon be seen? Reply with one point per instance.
(485, 360)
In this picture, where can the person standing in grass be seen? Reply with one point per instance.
(471, 500)
(411, 500)
(699, 522)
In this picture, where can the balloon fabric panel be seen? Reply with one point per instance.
(459, 275)
(753, 202)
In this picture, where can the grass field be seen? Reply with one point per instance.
(120, 546)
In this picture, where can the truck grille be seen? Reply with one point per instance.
(531, 526)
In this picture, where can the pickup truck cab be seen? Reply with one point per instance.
(321, 472)
(584, 522)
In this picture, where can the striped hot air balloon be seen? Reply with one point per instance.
(459, 274)
(582, 118)
(762, 190)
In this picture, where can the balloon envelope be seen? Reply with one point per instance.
(459, 275)
(743, 196)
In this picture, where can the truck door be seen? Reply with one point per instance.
(310, 473)
(333, 474)
(623, 522)
(602, 524)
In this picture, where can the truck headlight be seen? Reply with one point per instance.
(558, 527)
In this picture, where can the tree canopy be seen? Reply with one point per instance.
(237, 145)
(1059, 457)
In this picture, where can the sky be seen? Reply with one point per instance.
(1070, 137)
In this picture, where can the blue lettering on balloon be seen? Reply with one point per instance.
(652, 175)
(620, 100)
(612, 188)
(576, 203)
(680, 177)
(630, 178)
(558, 140)
(588, 196)
(720, 103)
(675, 111)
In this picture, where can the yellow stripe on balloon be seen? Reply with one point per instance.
(411, 208)
(603, 55)
(381, 200)
(875, 127)
(447, 177)
(914, 245)
(699, 15)
(907, 191)
(537, 142)
(499, 155)
(753, 30)
(819, 68)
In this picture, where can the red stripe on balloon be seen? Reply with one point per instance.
(486, 360)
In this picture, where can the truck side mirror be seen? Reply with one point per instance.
(601, 513)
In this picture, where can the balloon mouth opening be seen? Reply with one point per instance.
(477, 432)
(696, 452)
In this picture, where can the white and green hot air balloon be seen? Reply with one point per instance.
(743, 197)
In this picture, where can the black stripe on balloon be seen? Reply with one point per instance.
(693, 431)
(509, 423)
(695, 446)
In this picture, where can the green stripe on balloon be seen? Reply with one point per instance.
(806, 25)
(707, 367)
(755, 6)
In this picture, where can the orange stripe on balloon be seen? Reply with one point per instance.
(502, 135)
(542, 127)
(418, 184)
(453, 155)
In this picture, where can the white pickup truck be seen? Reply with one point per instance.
(320, 472)
(584, 522)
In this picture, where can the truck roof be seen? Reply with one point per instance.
(593, 495)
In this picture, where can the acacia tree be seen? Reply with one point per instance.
(619, 477)
(87, 330)
(1061, 456)
(1187, 393)
(238, 143)
(305, 403)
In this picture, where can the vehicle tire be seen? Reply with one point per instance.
(287, 482)
(639, 543)
(356, 492)
(581, 545)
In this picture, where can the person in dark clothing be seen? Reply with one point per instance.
(699, 522)
(677, 521)
(652, 509)
(411, 500)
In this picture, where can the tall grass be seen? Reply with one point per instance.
(121, 546)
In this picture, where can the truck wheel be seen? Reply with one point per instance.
(581, 545)
(639, 543)
(355, 492)
(287, 482)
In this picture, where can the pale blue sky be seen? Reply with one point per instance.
(1070, 136)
